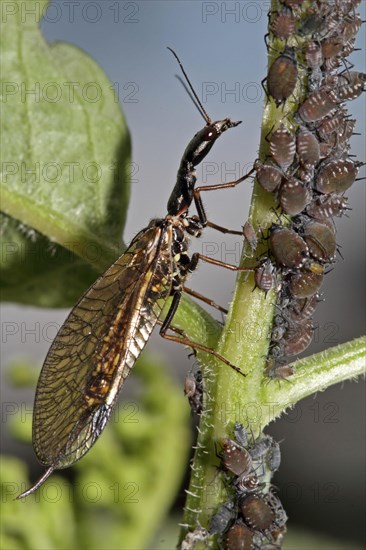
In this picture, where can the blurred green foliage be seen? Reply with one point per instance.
(122, 489)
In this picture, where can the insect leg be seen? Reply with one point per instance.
(186, 341)
(204, 299)
(197, 256)
(198, 190)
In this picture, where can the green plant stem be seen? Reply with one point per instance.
(253, 399)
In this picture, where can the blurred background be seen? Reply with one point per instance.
(221, 45)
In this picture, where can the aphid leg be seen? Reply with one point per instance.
(186, 341)
(204, 299)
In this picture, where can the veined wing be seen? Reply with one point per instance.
(96, 348)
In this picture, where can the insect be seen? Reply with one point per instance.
(100, 341)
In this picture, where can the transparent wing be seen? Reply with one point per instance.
(96, 348)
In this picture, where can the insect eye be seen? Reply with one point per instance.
(210, 133)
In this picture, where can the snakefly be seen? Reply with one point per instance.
(104, 334)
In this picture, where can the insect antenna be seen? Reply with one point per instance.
(199, 104)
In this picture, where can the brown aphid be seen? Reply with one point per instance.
(282, 146)
(313, 55)
(283, 25)
(305, 284)
(330, 124)
(317, 105)
(250, 235)
(306, 174)
(336, 176)
(277, 371)
(307, 147)
(330, 65)
(239, 537)
(327, 206)
(348, 48)
(247, 484)
(332, 46)
(298, 338)
(235, 459)
(193, 389)
(351, 85)
(287, 247)
(264, 276)
(321, 240)
(268, 176)
(350, 26)
(282, 76)
(257, 513)
(293, 196)
(301, 309)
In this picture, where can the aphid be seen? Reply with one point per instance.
(257, 513)
(305, 284)
(250, 235)
(273, 457)
(314, 22)
(100, 341)
(268, 176)
(222, 518)
(327, 206)
(350, 26)
(313, 55)
(283, 24)
(247, 484)
(282, 146)
(336, 176)
(314, 60)
(235, 458)
(282, 76)
(193, 389)
(261, 447)
(276, 505)
(192, 537)
(332, 46)
(264, 276)
(307, 147)
(348, 48)
(321, 241)
(239, 536)
(287, 247)
(241, 434)
(293, 196)
(277, 371)
(351, 85)
(298, 338)
(301, 309)
(330, 124)
(317, 105)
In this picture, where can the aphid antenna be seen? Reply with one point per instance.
(198, 102)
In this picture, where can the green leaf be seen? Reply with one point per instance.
(65, 170)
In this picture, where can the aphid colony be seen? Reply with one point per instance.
(308, 167)
(253, 516)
